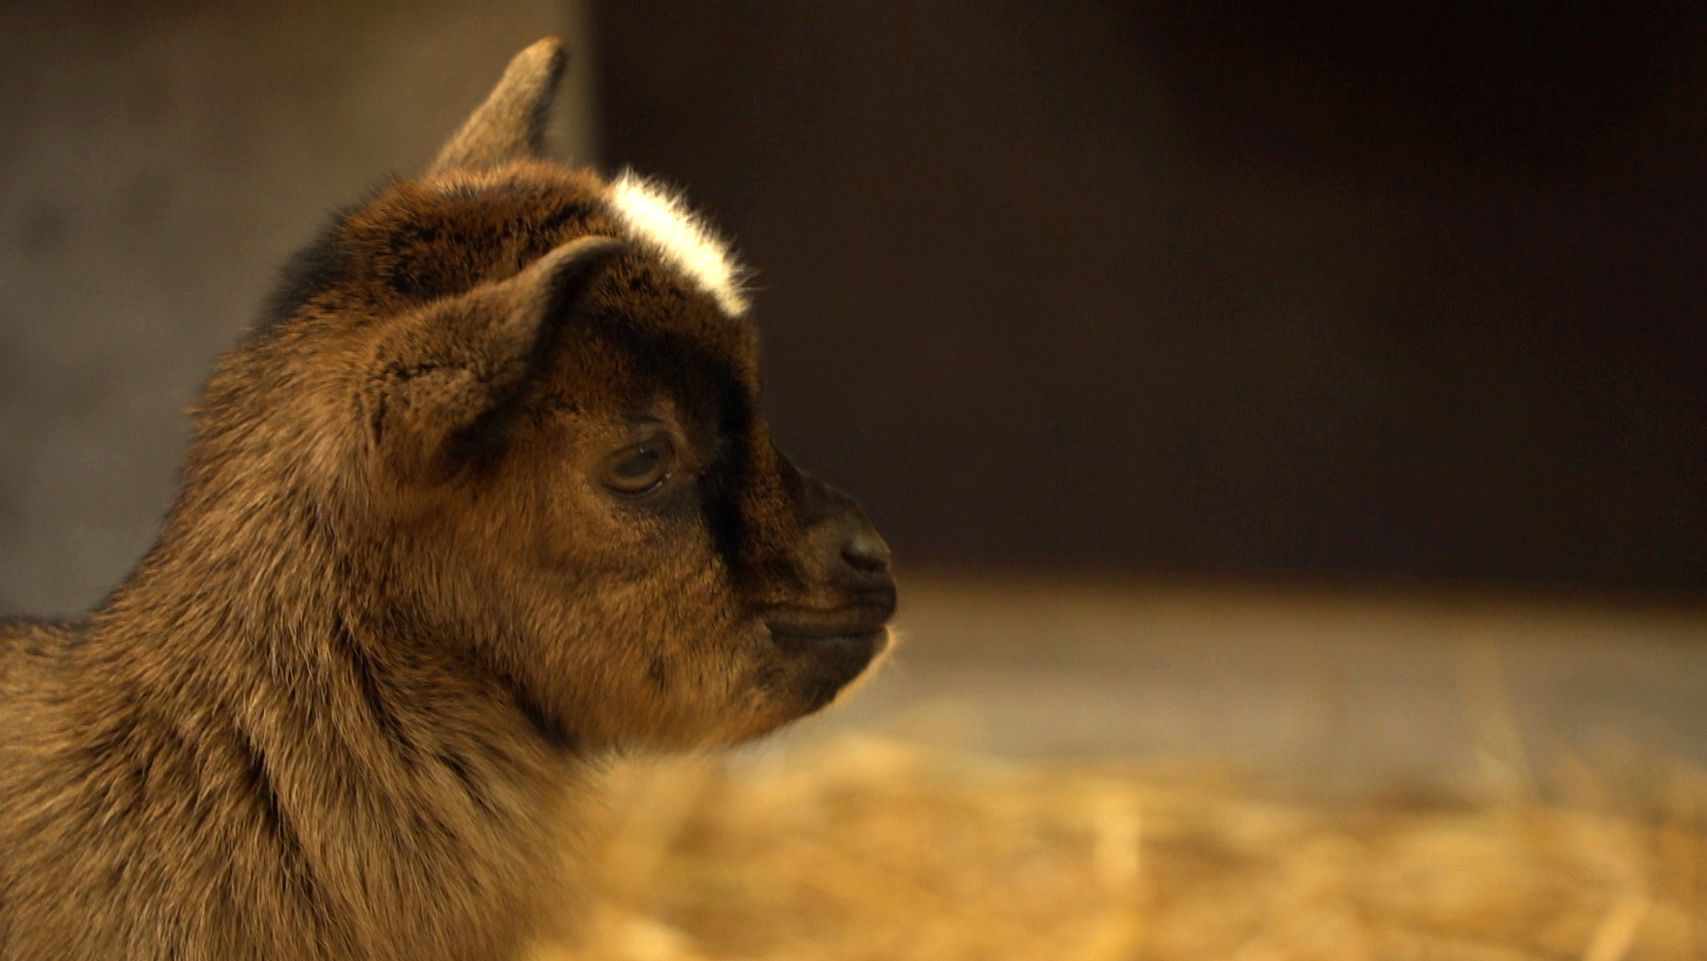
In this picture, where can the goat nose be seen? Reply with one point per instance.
(864, 549)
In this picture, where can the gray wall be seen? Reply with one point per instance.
(157, 163)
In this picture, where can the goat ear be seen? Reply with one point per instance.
(446, 379)
(511, 123)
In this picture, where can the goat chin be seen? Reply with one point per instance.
(884, 661)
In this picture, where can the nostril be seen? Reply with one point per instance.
(866, 552)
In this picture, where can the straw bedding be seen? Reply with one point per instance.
(869, 848)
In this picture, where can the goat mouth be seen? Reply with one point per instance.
(831, 646)
(799, 627)
(866, 644)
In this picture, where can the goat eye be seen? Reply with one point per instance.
(641, 468)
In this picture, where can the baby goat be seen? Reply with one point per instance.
(487, 494)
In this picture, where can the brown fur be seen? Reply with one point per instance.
(342, 709)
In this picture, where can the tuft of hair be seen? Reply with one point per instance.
(661, 220)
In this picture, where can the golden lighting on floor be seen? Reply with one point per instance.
(874, 848)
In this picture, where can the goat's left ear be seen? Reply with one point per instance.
(511, 123)
(442, 382)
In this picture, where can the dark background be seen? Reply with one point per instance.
(1205, 289)
(1214, 287)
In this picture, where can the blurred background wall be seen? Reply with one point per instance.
(158, 162)
(1224, 287)
(1186, 288)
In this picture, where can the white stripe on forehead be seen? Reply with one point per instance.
(660, 219)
